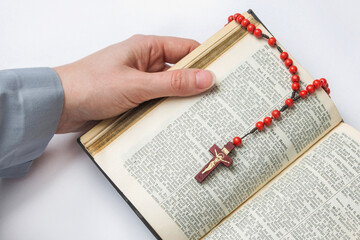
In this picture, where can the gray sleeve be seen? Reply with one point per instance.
(31, 102)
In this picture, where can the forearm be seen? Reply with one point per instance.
(31, 102)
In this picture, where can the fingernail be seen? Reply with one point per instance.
(204, 79)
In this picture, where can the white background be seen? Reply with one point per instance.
(64, 196)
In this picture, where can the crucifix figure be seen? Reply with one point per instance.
(220, 156)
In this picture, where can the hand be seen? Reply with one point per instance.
(120, 77)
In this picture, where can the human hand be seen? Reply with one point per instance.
(121, 76)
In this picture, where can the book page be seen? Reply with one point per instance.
(318, 197)
(155, 161)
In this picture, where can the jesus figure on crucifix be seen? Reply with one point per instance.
(219, 157)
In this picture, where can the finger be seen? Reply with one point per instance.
(183, 82)
(173, 49)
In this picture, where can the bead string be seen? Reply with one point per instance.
(295, 79)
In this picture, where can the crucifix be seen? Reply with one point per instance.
(220, 156)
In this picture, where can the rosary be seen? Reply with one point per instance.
(221, 155)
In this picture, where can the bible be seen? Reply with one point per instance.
(297, 179)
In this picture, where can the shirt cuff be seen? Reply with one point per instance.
(15, 171)
(31, 102)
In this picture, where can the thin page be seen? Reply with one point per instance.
(318, 197)
(154, 162)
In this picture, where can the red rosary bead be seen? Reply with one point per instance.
(289, 102)
(245, 23)
(240, 18)
(323, 82)
(237, 141)
(288, 62)
(295, 86)
(292, 69)
(276, 114)
(267, 121)
(325, 86)
(272, 41)
(258, 33)
(236, 15)
(230, 18)
(284, 56)
(295, 78)
(317, 83)
(303, 93)
(250, 28)
(310, 88)
(328, 91)
(260, 126)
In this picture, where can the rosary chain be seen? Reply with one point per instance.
(284, 56)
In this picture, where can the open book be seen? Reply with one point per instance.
(298, 179)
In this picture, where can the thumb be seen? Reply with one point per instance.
(182, 82)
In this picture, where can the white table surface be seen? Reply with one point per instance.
(64, 196)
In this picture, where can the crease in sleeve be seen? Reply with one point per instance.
(31, 102)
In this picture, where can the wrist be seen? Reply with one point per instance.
(65, 118)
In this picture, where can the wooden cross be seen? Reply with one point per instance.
(220, 156)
